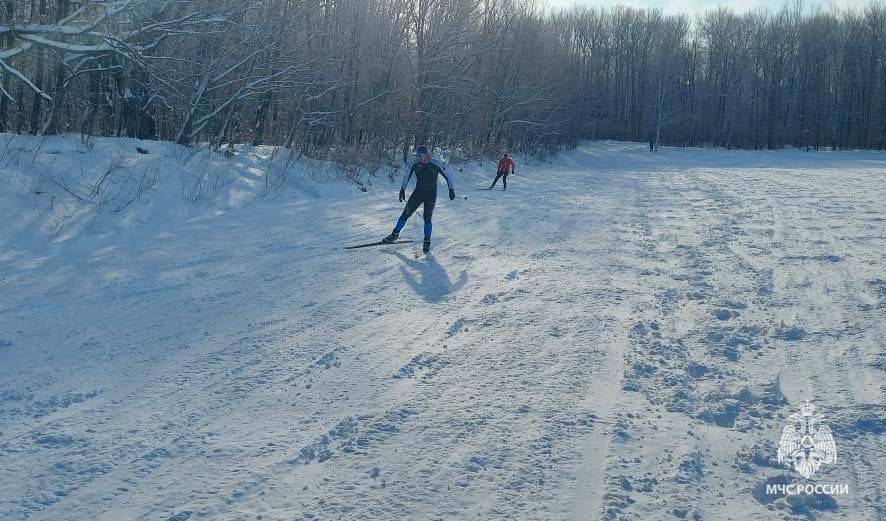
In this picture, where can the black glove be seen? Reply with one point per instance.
(451, 194)
(402, 195)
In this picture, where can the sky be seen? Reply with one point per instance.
(696, 6)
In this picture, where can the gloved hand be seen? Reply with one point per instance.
(402, 195)
(451, 194)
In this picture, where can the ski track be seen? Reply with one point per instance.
(619, 336)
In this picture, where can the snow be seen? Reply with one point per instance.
(620, 335)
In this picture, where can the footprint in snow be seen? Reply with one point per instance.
(457, 326)
(543, 254)
(490, 299)
(54, 440)
(725, 314)
(426, 363)
(794, 334)
(327, 361)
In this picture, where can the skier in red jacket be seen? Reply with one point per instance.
(505, 166)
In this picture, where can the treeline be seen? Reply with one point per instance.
(367, 77)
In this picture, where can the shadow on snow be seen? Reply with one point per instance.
(428, 278)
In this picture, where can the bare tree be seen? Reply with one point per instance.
(374, 77)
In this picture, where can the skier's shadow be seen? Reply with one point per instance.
(428, 278)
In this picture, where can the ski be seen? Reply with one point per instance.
(377, 243)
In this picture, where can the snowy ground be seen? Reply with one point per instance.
(621, 335)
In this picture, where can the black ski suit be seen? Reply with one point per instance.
(425, 192)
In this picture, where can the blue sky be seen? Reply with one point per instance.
(695, 6)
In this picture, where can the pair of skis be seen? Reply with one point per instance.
(377, 243)
(383, 243)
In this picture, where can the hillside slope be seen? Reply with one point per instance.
(620, 335)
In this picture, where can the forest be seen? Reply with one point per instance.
(368, 79)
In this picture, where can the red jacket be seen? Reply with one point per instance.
(506, 165)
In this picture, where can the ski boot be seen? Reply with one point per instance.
(426, 247)
(391, 238)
